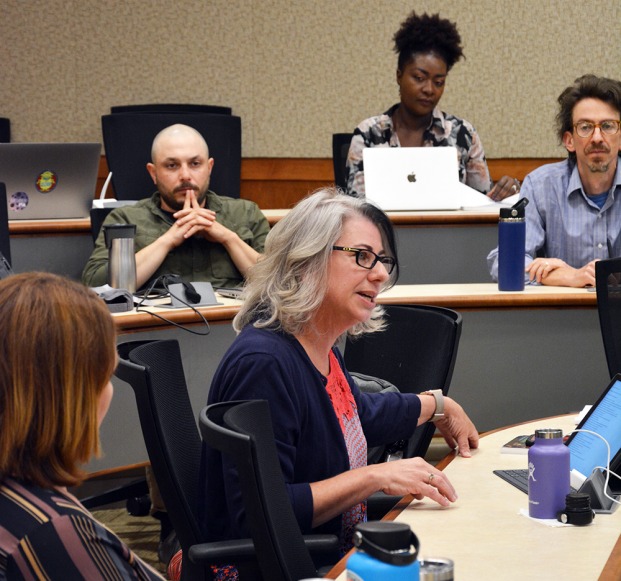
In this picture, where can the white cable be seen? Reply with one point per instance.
(607, 468)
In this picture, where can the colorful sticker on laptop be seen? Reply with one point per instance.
(46, 181)
(18, 201)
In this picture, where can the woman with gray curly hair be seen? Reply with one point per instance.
(325, 264)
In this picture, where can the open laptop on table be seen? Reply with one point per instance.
(418, 178)
(586, 450)
(49, 180)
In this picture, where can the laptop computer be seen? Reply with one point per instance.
(587, 451)
(49, 180)
(417, 178)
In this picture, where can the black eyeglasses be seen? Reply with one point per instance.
(368, 259)
(585, 128)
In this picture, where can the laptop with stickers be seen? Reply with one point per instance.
(49, 180)
(417, 178)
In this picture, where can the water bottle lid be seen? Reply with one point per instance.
(389, 542)
(548, 433)
(515, 212)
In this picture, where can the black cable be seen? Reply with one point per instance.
(165, 279)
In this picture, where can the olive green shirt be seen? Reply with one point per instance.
(196, 259)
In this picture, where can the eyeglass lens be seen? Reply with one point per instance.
(585, 128)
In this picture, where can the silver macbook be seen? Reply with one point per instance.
(417, 178)
(49, 180)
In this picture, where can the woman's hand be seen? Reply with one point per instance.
(417, 477)
(503, 188)
(457, 428)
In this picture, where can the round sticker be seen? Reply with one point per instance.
(18, 201)
(46, 181)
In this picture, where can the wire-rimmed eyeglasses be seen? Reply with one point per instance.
(368, 259)
(585, 128)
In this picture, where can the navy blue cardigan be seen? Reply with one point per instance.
(262, 364)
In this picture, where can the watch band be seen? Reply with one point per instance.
(439, 397)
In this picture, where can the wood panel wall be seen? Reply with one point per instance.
(281, 182)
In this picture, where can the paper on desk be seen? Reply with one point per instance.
(473, 200)
(548, 522)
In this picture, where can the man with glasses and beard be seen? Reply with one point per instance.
(574, 215)
(185, 228)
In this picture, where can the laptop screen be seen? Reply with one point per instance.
(49, 180)
(587, 450)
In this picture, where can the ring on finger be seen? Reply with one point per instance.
(431, 477)
(514, 188)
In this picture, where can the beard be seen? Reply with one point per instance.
(599, 166)
(596, 166)
(170, 197)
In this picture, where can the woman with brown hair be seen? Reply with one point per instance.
(58, 345)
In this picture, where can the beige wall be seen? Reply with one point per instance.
(294, 71)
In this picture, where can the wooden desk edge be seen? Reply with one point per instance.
(133, 321)
(83, 225)
(610, 572)
(510, 300)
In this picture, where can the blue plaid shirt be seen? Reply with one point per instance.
(562, 222)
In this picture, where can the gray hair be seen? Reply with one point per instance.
(288, 284)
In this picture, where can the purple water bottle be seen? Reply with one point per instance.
(511, 247)
(548, 474)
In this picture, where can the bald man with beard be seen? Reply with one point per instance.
(184, 228)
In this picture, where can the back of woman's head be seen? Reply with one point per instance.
(288, 284)
(422, 34)
(57, 341)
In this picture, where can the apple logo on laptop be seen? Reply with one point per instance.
(412, 177)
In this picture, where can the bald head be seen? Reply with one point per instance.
(181, 164)
(174, 135)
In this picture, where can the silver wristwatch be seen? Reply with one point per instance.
(439, 397)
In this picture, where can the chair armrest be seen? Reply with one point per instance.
(380, 504)
(234, 551)
(321, 543)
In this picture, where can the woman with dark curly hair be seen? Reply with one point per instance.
(427, 48)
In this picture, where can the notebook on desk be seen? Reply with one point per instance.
(49, 180)
(417, 178)
(587, 451)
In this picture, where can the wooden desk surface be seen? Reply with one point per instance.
(34, 227)
(486, 536)
(487, 295)
(469, 296)
(133, 321)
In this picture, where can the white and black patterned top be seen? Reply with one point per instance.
(444, 130)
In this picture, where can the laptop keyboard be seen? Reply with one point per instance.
(518, 478)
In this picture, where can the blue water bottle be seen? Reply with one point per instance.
(385, 551)
(511, 247)
(548, 474)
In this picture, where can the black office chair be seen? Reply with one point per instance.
(128, 138)
(340, 149)
(5, 241)
(416, 352)
(5, 130)
(172, 108)
(608, 288)
(155, 372)
(98, 215)
(243, 430)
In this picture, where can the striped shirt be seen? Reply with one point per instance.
(563, 222)
(45, 534)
